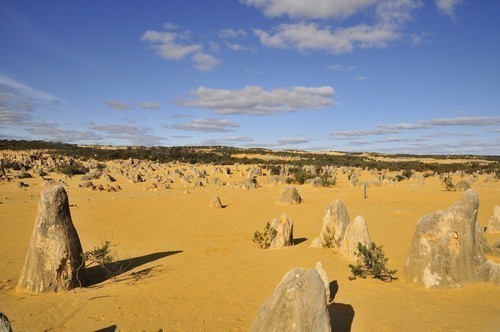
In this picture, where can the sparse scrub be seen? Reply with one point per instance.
(328, 239)
(101, 257)
(448, 183)
(372, 262)
(73, 169)
(265, 238)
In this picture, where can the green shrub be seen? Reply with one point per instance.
(72, 169)
(448, 183)
(328, 239)
(372, 262)
(265, 238)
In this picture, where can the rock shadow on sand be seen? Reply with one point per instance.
(97, 274)
(341, 315)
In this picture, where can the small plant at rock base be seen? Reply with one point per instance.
(101, 257)
(372, 262)
(265, 238)
(328, 239)
(448, 183)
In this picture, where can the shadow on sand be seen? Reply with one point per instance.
(97, 274)
(299, 240)
(111, 328)
(341, 315)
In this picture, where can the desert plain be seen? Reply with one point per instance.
(197, 269)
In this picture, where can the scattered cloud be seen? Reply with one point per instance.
(390, 17)
(293, 141)
(170, 26)
(128, 132)
(231, 140)
(341, 68)
(149, 105)
(12, 118)
(360, 78)
(172, 45)
(418, 39)
(311, 9)
(232, 33)
(208, 125)
(118, 105)
(118, 128)
(13, 92)
(52, 132)
(254, 100)
(447, 6)
(182, 136)
(205, 62)
(424, 124)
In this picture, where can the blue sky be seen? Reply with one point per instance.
(392, 76)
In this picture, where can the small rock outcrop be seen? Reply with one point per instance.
(335, 221)
(297, 304)
(494, 222)
(215, 203)
(249, 183)
(54, 253)
(284, 232)
(4, 324)
(289, 196)
(356, 231)
(447, 250)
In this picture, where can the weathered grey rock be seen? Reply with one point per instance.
(494, 222)
(284, 232)
(335, 221)
(356, 231)
(4, 324)
(448, 248)
(462, 185)
(249, 183)
(324, 277)
(297, 304)
(215, 203)
(254, 172)
(54, 253)
(289, 196)
(2, 169)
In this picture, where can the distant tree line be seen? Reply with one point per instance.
(225, 156)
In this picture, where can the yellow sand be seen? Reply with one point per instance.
(198, 270)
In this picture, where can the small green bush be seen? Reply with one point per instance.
(448, 183)
(265, 238)
(372, 262)
(72, 169)
(328, 239)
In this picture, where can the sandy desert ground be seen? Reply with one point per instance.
(197, 269)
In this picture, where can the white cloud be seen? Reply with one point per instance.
(118, 129)
(311, 37)
(293, 141)
(424, 124)
(310, 9)
(52, 132)
(168, 47)
(170, 26)
(390, 18)
(231, 140)
(12, 89)
(341, 68)
(11, 117)
(447, 6)
(205, 62)
(149, 105)
(232, 33)
(254, 100)
(118, 105)
(208, 125)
